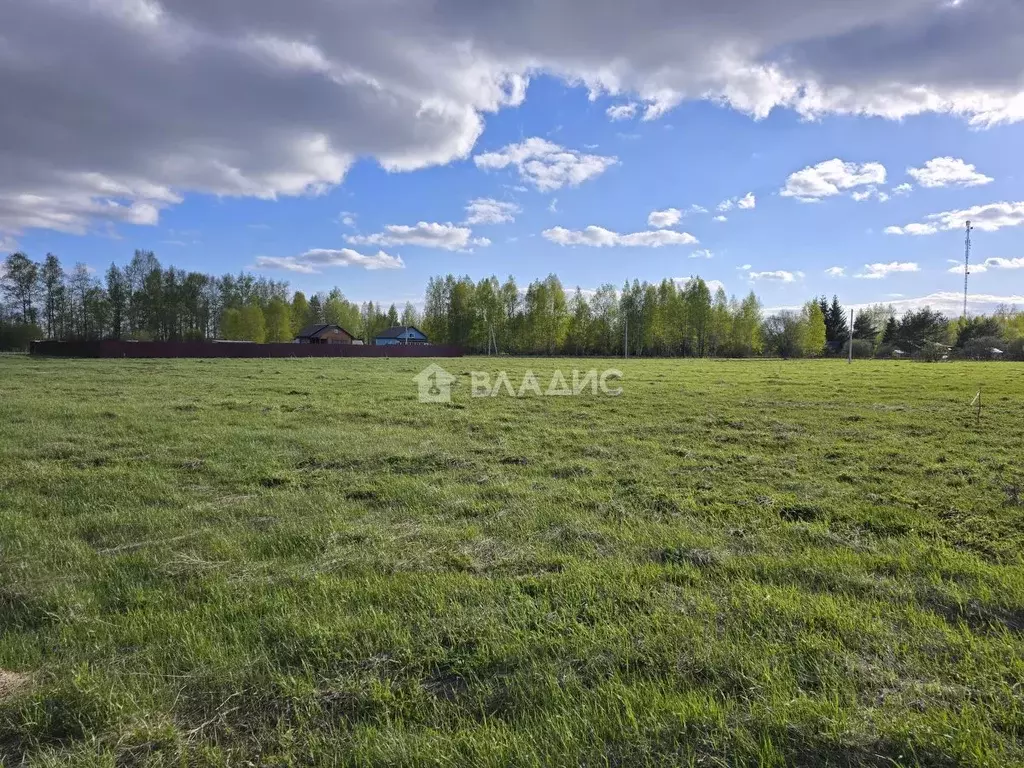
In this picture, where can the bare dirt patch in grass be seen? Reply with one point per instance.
(13, 683)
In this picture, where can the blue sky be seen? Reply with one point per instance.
(693, 152)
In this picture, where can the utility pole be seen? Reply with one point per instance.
(967, 265)
(850, 359)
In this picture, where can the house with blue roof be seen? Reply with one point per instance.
(400, 334)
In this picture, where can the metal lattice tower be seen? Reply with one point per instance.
(967, 265)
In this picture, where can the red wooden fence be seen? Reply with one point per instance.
(235, 349)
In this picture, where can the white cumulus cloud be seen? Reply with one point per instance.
(713, 285)
(830, 178)
(314, 261)
(664, 219)
(487, 210)
(880, 270)
(948, 172)
(776, 276)
(868, 193)
(747, 202)
(952, 302)
(987, 218)
(836, 271)
(994, 262)
(449, 237)
(546, 165)
(622, 111)
(913, 229)
(599, 237)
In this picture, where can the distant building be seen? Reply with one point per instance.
(323, 334)
(400, 334)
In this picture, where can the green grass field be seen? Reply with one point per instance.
(294, 562)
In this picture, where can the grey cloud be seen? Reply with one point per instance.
(929, 42)
(114, 109)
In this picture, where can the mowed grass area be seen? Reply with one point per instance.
(293, 562)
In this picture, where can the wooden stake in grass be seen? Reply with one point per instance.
(976, 402)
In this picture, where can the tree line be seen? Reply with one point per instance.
(146, 301)
(686, 319)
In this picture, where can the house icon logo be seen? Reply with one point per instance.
(435, 384)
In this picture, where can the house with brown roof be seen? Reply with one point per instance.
(323, 333)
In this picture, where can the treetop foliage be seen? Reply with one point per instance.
(144, 300)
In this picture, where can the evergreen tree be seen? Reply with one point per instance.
(837, 327)
(891, 331)
(923, 326)
(864, 327)
(315, 313)
(976, 328)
